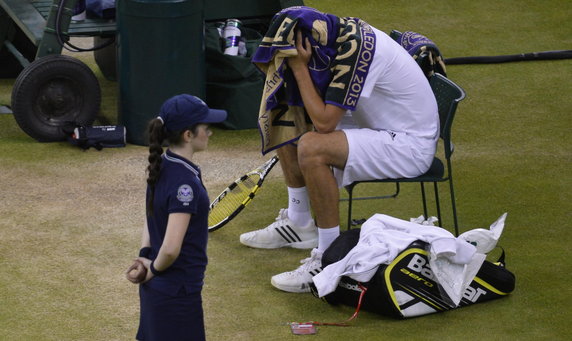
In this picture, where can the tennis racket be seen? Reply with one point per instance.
(236, 196)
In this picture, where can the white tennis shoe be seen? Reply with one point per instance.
(282, 233)
(299, 280)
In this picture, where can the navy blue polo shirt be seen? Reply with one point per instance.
(180, 190)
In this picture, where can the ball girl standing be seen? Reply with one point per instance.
(174, 240)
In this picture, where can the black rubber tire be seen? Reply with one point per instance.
(54, 93)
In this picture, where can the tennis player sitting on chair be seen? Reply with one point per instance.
(344, 70)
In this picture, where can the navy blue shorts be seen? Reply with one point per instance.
(170, 317)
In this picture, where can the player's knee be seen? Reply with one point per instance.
(310, 150)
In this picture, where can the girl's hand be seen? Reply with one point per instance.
(304, 53)
(136, 273)
(147, 263)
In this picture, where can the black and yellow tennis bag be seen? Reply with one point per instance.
(406, 287)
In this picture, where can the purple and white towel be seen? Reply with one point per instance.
(342, 52)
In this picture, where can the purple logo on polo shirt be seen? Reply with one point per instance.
(185, 194)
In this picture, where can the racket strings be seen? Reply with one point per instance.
(237, 195)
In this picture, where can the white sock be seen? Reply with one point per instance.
(326, 237)
(299, 206)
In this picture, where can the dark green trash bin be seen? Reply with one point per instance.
(161, 54)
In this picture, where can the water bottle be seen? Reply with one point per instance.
(231, 35)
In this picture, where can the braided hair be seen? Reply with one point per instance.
(157, 137)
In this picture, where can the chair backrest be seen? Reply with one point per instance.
(448, 95)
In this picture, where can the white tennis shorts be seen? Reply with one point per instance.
(384, 154)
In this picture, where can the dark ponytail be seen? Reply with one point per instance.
(156, 138)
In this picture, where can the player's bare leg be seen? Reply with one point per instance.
(317, 153)
(288, 156)
(294, 227)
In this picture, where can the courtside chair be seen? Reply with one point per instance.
(448, 95)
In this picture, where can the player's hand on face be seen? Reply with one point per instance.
(304, 52)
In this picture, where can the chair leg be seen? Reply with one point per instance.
(437, 203)
(350, 189)
(454, 206)
(453, 200)
(424, 200)
(350, 199)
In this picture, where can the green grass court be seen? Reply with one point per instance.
(70, 220)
